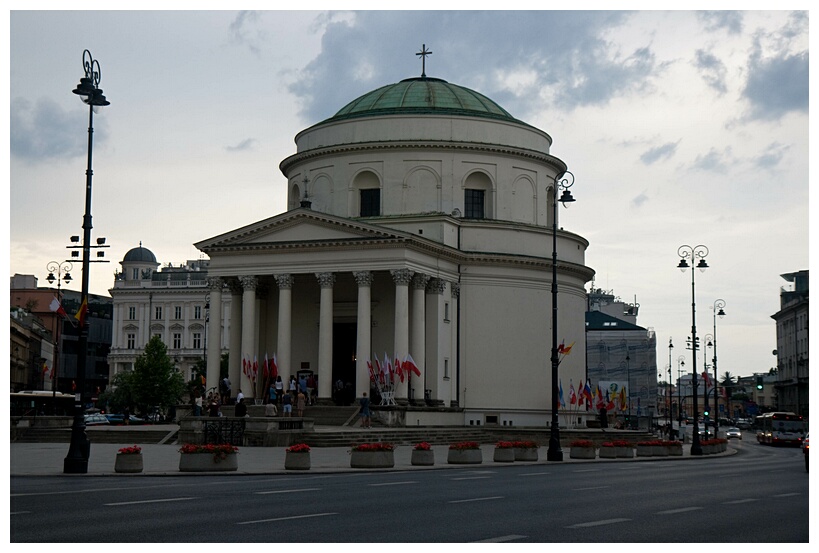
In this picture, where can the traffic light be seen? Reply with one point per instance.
(705, 413)
(759, 382)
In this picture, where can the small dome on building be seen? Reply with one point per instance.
(138, 255)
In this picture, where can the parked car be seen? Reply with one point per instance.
(805, 448)
(119, 420)
(96, 419)
(733, 432)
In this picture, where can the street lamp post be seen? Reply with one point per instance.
(628, 387)
(59, 268)
(670, 348)
(562, 181)
(680, 364)
(76, 462)
(709, 342)
(694, 252)
(718, 311)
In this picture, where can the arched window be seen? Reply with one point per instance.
(368, 188)
(477, 190)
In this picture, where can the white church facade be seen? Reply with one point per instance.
(419, 224)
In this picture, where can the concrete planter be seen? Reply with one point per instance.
(504, 455)
(658, 451)
(645, 450)
(526, 454)
(608, 452)
(582, 453)
(207, 462)
(675, 450)
(372, 459)
(625, 452)
(128, 462)
(422, 457)
(464, 457)
(297, 460)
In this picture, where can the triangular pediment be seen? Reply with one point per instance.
(299, 225)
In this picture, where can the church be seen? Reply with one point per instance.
(414, 263)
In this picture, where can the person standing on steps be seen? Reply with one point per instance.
(364, 411)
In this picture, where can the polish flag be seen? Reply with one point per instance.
(409, 365)
(56, 307)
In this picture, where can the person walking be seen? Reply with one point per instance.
(301, 399)
(287, 405)
(364, 411)
(279, 389)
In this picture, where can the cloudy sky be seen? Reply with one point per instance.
(680, 128)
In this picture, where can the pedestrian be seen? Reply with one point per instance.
(279, 389)
(241, 408)
(197, 404)
(126, 415)
(293, 385)
(239, 396)
(224, 386)
(287, 405)
(270, 409)
(364, 411)
(300, 401)
(303, 384)
(213, 407)
(271, 393)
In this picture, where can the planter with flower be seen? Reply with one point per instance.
(378, 455)
(129, 459)
(722, 444)
(504, 452)
(624, 449)
(208, 458)
(582, 449)
(608, 450)
(673, 448)
(526, 450)
(708, 447)
(422, 455)
(297, 457)
(464, 453)
(650, 448)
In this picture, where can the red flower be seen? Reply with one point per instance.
(582, 443)
(505, 445)
(219, 451)
(465, 445)
(298, 448)
(423, 446)
(132, 450)
(526, 445)
(377, 446)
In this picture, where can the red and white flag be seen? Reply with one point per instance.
(409, 365)
(388, 366)
(706, 378)
(274, 368)
(398, 368)
(255, 369)
(56, 307)
(572, 395)
(265, 367)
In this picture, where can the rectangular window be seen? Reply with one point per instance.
(177, 340)
(132, 313)
(446, 312)
(136, 274)
(131, 341)
(473, 204)
(158, 313)
(197, 312)
(446, 369)
(177, 312)
(371, 202)
(197, 340)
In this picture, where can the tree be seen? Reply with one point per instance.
(155, 381)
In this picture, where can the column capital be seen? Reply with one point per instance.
(436, 286)
(402, 277)
(249, 282)
(215, 284)
(420, 280)
(456, 290)
(326, 280)
(363, 278)
(284, 281)
(235, 287)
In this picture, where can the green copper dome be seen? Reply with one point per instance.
(423, 95)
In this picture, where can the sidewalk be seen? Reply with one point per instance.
(46, 459)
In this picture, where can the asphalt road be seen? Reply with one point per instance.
(759, 495)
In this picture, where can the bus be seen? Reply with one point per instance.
(780, 428)
(41, 402)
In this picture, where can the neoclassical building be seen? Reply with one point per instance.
(419, 223)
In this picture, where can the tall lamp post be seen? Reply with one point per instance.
(680, 364)
(709, 342)
(694, 252)
(718, 312)
(562, 181)
(628, 387)
(670, 348)
(59, 268)
(76, 462)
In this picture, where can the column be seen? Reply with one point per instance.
(213, 333)
(235, 344)
(455, 398)
(417, 346)
(438, 342)
(402, 278)
(363, 349)
(285, 283)
(248, 346)
(325, 356)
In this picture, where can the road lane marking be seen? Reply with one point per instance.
(148, 501)
(287, 491)
(738, 501)
(286, 518)
(501, 539)
(471, 478)
(594, 488)
(394, 483)
(475, 499)
(677, 511)
(535, 474)
(20, 513)
(587, 470)
(787, 494)
(599, 523)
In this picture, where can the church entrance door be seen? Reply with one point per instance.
(344, 346)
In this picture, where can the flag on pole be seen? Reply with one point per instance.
(274, 368)
(561, 404)
(623, 399)
(265, 367)
(82, 312)
(244, 365)
(600, 401)
(399, 370)
(389, 368)
(609, 401)
(255, 368)
(568, 349)
(572, 396)
(409, 365)
(706, 378)
(45, 369)
(57, 307)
